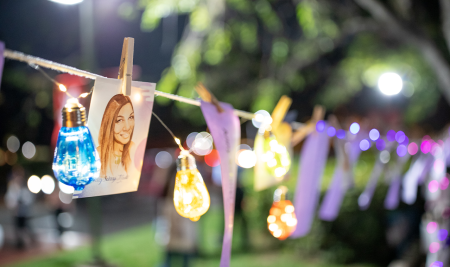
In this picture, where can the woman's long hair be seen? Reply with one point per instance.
(106, 135)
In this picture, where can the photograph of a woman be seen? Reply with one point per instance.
(119, 126)
(114, 139)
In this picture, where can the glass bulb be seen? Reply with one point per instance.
(281, 221)
(190, 196)
(276, 157)
(76, 161)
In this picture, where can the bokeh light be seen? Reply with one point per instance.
(380, 144)
(203, 144)
(413, 148)
(425, 147)
(390, 135)
(374, 134)
(406, 141)
(434, 247)
(261, 116)
(64, 197)
(340, 134)
(28, 150)
(163, 159)
(331, 131)
(67, 2)
(244, 146)
(320, 126)
(390, 83)
(432, 227)
(66, 189)
(442, 234)
(435, 148)
(385, 156)
(34, 184)
(354, 128)
(65, 219)
(437, 264)
(13, 144)
(246, 158)
(47, 184)
(190, 139)
(364, 144)
(212, 159)
(400, 137)
(402, 150)
(433, 186)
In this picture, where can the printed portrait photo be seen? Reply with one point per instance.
(119, 125)
(115, 137)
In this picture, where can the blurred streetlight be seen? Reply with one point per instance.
(390, 83)
(68, 2)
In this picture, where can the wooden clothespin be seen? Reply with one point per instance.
(126, 65)
(207, 96)
(280, 110)
(300, 134)
(282, 130)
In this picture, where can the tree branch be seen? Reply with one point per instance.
(445, 16)
(404, 34)
(349, 28)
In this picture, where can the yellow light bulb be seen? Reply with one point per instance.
(276, 157)
(190, 196)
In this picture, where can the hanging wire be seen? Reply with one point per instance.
(61, 86)
(171, 133)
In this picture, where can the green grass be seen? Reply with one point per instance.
(136, 248)
(133, 247)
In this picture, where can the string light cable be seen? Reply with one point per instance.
(19, 56)
(61, 86)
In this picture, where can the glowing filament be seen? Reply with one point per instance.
(190, 198)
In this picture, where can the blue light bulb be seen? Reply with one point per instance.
(76, 162)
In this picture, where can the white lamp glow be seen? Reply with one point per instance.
(68, 2)
(390, 83)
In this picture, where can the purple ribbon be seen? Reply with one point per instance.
(416, 173)
(2, 59)
(312, 162)
(365, 198)
(392, 198)
(393, 195)
(342, 179)
(226, 132)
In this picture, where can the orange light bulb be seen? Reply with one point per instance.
(281, 221)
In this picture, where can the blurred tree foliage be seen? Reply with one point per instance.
(250, 52)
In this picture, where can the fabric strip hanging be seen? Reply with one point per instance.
(365, 198)
(413, 177)
(393, 195)
(348, 153)
(312, 162)
(226, 132)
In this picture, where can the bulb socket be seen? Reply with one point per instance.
(185, 161)
(73, 114)
(280, 193)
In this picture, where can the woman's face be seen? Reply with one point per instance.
(124, 124)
